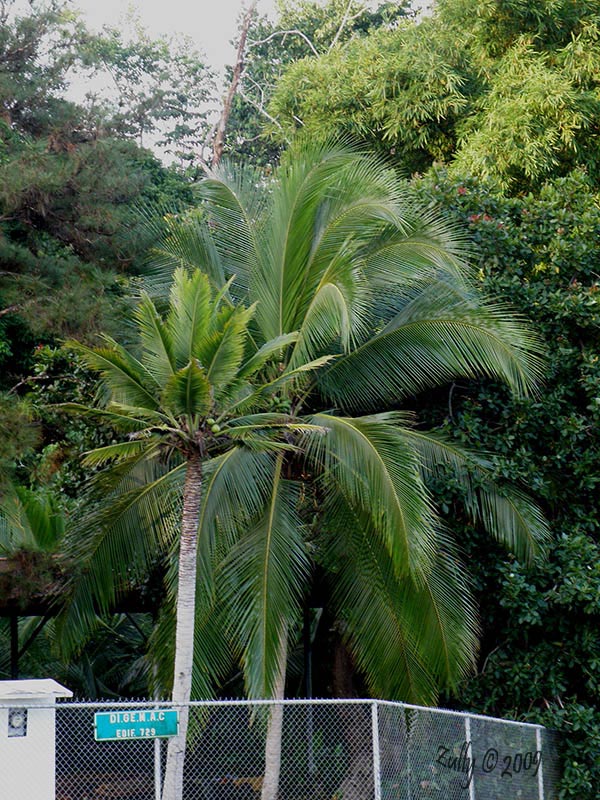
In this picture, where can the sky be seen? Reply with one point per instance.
(211, 24)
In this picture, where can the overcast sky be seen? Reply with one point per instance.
(210, 23)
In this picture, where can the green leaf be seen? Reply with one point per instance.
(157, 346)
(187, 393)
(274, 347)
(435, 338)
(30, 521)
(126, 377)
(223, 353)
(189, 315)
(512, 517)
(262, 580)
(366, 460)
(118, 452)
(408, 637)
(136, 495)
(122, 422)
(185, 244)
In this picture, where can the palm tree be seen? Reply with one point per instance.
(31, 522)
(193, 365)
(264, 408)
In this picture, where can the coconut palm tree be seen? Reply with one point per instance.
(264, 426)
(193, 366)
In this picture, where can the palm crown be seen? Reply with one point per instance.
(265, 404)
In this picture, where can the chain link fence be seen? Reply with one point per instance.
(330, 750)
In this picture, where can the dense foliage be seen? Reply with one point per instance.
(72, 182)
(303, 28)
(505, 94)
(493, 104)
(541, 645)
(507, 90)
(75, 191)
(344, 273)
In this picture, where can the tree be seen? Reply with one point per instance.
(19, 435)
(540, 622)
(191, 363)
(156, 91)
(275, 396)
(219, 139)
(404, 91)
(36, 52)
(471, 85)
(302, 28)
(71, 230)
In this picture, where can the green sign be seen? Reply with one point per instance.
(147, 723)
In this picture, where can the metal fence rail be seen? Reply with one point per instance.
(330, 750)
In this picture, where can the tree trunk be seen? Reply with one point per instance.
(270, 787)
(184, 632)
(219, 142)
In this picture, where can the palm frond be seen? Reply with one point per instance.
(157, 347)
(122, 451)
(312, 185)
(233, 202)
(146, 495)
(153, 418)
(236, 485)
(418, 248)
(328, 320)
(507, 513)
(430, 342)
(223, 352)
(129, 380)
(291, 378)
(213, 653)
(408, 638)
(122, 422)
(189, 314)
(270, 423)
(261, 584)
(30, 520)
(187, 393)
(368, 462)
(270, 349)
(186, 243)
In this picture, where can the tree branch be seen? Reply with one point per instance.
(293, 32)
(345, 19)
(10, 309)
(262, 111)
(219, 141)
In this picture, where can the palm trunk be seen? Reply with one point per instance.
(358, 781)
(270, 787)
(184, 632)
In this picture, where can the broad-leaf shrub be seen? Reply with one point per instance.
(540, 655)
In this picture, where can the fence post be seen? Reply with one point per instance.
(376, 753)
(468, 742)
(157, 769)
(540, 776)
